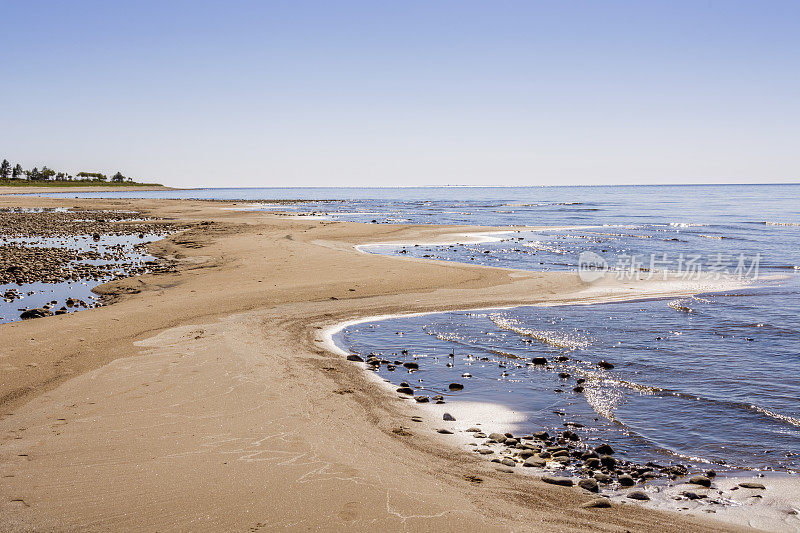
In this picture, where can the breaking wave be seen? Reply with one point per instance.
(557, 339)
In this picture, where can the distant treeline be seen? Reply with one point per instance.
(16, 172)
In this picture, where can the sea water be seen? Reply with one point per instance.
(711, 380)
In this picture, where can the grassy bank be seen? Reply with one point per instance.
(82, 183)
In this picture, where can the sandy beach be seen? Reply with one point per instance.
(208, 398)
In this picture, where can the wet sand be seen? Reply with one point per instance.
(208, 399)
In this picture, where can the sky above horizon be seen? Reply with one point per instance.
(259, 93)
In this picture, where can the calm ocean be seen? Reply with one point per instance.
(712, 380)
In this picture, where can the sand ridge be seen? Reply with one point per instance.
(206, 399)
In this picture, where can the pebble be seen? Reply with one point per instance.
(534, 462)
(752, 485)
(455, 386)
(447, 417)
(626, 481)
(356, 358)
(700, 480)
(608, 461)
(498, 437)
(597, 503)
(592, 462)
(604, 449)
(38, 312)
(553, 480)
(638, 495)
(589, 484)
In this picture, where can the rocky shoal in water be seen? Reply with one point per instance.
(42, 223)
(57, 246)
(567, 460)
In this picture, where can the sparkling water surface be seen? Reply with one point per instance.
(713, 379)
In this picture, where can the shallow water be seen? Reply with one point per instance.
(713, 379)
(127, 254)
(704, 387)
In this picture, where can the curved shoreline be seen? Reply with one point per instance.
(762, 508)
(211, 383)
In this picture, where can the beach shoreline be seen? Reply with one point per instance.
(209, 394)
(33, 189)
(759, 501)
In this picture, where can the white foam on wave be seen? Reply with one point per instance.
(557, 339)
(778, 416)
(544, 247)
(782, 223)
(681, 305)
(686, 225)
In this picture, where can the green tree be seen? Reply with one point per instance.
(46, 173)
(118, 177)
(33, 174)
(92, 175)
(16, 171)
(5, 169)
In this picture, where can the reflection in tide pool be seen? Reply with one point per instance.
(106, 258)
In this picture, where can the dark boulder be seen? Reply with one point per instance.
(604, 449)
(608, 461)
(703, 481)
(625, 480)
(589, 484)
(37, 312)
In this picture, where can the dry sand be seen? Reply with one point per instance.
(207, 400)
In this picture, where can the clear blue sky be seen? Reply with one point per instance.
(295, 93)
